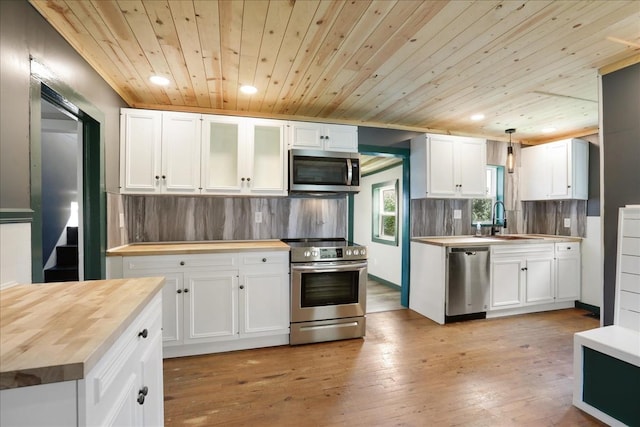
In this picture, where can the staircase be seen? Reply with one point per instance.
(66, 268)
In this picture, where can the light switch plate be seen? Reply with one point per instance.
(258, 217)
(457, 214)
(567, 223)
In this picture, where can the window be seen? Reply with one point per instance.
(481, 208)
(385, 212)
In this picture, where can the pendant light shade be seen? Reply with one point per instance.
(510, 159)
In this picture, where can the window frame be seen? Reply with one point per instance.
(495, 194)
(377, 216)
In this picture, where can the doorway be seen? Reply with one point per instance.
(385, 176)
(83, 185)
(61, 166)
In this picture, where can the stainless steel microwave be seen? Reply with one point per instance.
(312, 171)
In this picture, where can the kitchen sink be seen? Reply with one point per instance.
(506, 237)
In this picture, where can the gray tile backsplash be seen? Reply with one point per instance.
(194, 218)
(547, 217)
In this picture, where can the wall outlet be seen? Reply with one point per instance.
(457, 214)
(567, 223)
(258, 217)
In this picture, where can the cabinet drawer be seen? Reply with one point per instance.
(265, 258)
(105, 383)
(519, 250)
(568, 247)
(177, 262)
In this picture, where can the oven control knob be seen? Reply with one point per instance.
(349, 252)
(363, 252)
(314, 253)
(307, 253)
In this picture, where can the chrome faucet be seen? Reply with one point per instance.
(493, 217)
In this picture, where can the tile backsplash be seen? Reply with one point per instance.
(195, 218)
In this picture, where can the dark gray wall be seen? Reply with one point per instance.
(621, 157)
(593, 204)
(24, 33)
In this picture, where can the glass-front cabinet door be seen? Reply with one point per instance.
(221, 154)
(243, 156)
(267, 157)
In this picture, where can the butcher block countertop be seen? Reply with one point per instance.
(509, 239)
(57, 332)
(177, 248)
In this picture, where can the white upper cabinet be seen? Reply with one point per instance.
(160, 152)
(557, 170)
(243, 156)
(180, 153)
(140, 153)
(444, 166)
(320, 136)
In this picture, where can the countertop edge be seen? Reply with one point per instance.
(77, 370)
(173, 248)
(448, 241)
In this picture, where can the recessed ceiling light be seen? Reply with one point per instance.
(159, 80)
(477, 117)
(249, 90)
(548, 130)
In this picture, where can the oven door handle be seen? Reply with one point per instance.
(331, 269)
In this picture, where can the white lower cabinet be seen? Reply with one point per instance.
(219, 302)
(527, 277)
(568, 271)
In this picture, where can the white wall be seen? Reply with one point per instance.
(15, 254)
(385, 261)
(592, 263)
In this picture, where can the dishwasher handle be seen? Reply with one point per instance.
(468, 250)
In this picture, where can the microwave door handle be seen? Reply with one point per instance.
(349, 171)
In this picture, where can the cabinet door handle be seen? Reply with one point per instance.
(157, 177)
(140, 399)
(186, 290)
(181, 262)
(179, 291)
(242, 179)
(144, 333)
(241, 286)
(568, 186)
(144, 390)
(248, 179)
(264, 260)
(164, 177)
(524, 269)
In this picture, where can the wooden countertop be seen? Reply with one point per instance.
(57, 332)
(176, 248)
(510, 239)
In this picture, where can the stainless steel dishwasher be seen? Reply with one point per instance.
(467, 283)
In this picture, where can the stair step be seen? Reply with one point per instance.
(67, 255)
(61, 274)
(72, 235)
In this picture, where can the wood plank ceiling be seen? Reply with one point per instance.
(418, 65)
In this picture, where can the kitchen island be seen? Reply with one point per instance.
(81, 353)
(528, 273)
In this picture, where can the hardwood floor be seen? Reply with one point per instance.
(381, 297)
(407, 371)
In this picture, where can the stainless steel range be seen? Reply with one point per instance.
(328, 290)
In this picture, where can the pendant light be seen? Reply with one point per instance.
(510, 159)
